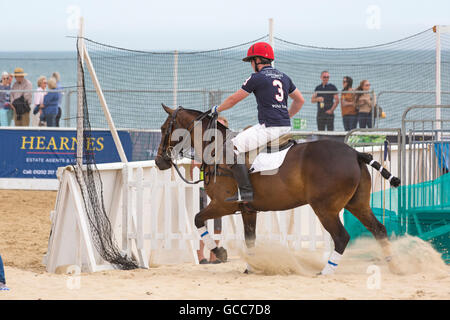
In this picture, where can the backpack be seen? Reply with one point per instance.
(21, 107)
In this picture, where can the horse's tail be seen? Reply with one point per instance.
(368, 159)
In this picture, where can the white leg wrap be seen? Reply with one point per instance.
(332, 263)
(207, 239)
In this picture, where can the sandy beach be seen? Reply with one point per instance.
(279, 272)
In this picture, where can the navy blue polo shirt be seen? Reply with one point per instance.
(271, 88)
(327, 97)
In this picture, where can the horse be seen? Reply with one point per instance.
(326, 174)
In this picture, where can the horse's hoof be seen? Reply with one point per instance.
(248, 271)
(221, 253)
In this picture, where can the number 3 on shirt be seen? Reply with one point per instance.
(280, 96)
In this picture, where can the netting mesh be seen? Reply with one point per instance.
(135, 83)
(91, 188)
(402, 73)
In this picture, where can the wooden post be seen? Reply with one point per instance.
(105, 108)
(437, 30)
(80, 89)
(271, 36)
(175, 79)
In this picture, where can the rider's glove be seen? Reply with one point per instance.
(214, 110)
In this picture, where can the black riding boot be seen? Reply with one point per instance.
(245, 192)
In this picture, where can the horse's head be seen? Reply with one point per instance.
(177, 119)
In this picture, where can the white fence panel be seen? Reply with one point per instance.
(152, 214)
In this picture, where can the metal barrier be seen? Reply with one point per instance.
(388, 98)
(66, 92)
(422, 137)
(209, 97)
(425, 143)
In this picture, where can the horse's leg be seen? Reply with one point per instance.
(359, 206)
(210, 212)
(249, 221)
(330, 221)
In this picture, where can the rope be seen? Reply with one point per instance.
(354, 48)
(171, 52)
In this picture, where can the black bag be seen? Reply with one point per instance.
(21, 107)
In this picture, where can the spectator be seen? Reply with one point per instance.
(60, 94)
(21, 106)
(364, 103)
(6, 112)
(10, 79)
(203, 204)
(326, 103)
(50, 109)
(349, 113)
(38, 101)
(2, 277)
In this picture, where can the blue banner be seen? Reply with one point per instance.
(39, 153)
(443, 155)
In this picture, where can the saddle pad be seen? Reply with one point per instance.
(268, 161)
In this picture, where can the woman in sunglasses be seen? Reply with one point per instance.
(364, 102)
(349, 113)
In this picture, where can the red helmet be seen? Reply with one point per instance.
(260, 49)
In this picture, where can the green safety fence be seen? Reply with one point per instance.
(421, 210)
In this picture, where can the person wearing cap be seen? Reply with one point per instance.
(25, 85)
(271, 88)
(6, 112)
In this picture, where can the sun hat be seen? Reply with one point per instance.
(19, 72)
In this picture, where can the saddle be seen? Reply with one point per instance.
(283, 142)
(266, 157)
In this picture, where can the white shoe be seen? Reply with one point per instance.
(3, 287)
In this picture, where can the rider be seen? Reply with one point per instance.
(271, 88)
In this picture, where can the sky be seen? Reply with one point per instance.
(198, 25)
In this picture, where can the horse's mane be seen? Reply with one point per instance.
(208, 117)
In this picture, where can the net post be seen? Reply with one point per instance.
(175, 78)
(80, 97)
(437, 30)
(271, 35)
(105, 108)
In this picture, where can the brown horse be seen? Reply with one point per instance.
(325, 174)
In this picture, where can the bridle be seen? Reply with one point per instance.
(168, 153)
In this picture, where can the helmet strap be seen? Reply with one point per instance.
(256, 64)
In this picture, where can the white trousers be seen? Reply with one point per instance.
(257, 136)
